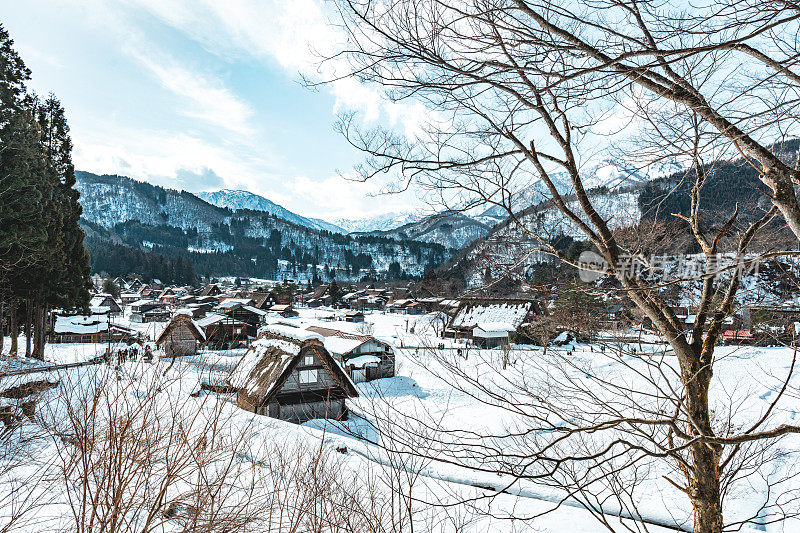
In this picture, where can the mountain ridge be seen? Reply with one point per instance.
(238, 199)
(219, 241)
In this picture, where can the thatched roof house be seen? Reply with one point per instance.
(294, 381)
(182, 336)
(473, 312)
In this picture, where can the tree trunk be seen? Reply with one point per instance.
(14, 327)
(2, 327)
(28, 324)
(38, 327)
(705, 490)
(45, 325)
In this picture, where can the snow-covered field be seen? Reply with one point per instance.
(445, 496)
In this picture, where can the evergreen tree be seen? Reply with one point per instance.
(334, 291)
(63, 279)
(109, 287)
(42, 259)
(22, 238)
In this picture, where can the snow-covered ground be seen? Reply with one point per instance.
(424, 390)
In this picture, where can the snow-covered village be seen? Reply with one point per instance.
(346, 266)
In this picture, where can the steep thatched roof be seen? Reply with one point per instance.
(181, 320)
(269, 362)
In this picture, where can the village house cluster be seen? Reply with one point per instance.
(295, 369)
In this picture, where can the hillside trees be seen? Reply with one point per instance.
(42, 259)
(119, 260)
(517, 92)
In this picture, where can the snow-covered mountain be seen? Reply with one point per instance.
(610, 174)
(384, 222)
(123, 211)
(453, 230)
(238, 199)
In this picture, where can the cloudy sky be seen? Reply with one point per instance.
(203, 95)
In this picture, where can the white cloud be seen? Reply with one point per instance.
(168, 159)
(347, 198)
(206, 98)
(295, 34)
(165, 158)
(275, 32)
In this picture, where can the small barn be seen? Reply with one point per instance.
(264, 300)
(363, 356)
(285, 310)
(105, 303)
(222, 330)
(474, 312)
(182, 336)
(89, 329)
(492, 334)
(294, 381)
(354, 316)
(147, 311)
(211, 290)
(252, 316)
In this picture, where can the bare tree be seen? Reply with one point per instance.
(516, 92)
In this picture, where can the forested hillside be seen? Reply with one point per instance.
(646, 208)
(146, 219)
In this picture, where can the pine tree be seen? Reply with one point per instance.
(42, 259)
(334, 291)
(22, 199)
(72, 282)
(62, 277)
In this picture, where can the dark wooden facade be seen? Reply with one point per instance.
(307, 385)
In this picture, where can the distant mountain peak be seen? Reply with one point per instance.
(382, 222)
(236, 199)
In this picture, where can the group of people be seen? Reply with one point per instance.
(131, 353)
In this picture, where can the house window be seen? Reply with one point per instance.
(309, 360)
(308, 376)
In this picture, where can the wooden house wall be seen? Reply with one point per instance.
(180, 341)
(324, 378)
(302, 412)
(298, 402)
(379, 349)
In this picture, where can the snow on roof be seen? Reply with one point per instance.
(291, 332)
(233, 302)
(211, 319)
(97, 300)
(144, 301)
(81, 325)
(512, 314)
(486, 330)
(340, 345)
(262, 364)
(363, 360)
